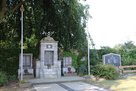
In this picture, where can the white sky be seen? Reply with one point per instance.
(113, 21)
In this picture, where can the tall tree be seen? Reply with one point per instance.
(65, 18)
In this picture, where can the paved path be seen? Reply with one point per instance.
(67, 86)
(55, 80)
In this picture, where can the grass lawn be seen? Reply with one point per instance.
(124, 84)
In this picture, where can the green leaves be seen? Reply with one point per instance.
(65, 18)
(105, 71)
(3, 78)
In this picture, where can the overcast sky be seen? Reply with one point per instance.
(113, 21)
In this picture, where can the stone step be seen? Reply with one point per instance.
(70, 74)
(26, 77)
(55, 80)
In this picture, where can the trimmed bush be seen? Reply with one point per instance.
(3, 79)
(105, 71)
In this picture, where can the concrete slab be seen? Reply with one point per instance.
(49, 87)
(55, 80)
(72, 83)
(82, 86)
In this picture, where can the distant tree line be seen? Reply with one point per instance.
(126, 50)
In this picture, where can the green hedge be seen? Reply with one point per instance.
(3, 79)
(9, 57)
(105, 71)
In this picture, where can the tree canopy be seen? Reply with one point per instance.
(65, 19)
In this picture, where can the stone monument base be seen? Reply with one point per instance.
(25, 72)
(49, 73)
(44, 72)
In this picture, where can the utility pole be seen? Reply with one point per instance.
(88, 50)
(21, 63)
(88, 58)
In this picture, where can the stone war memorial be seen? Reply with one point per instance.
(112, 58)
(67, 66)
(48, 65)
(27, 64)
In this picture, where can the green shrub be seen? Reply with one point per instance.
(82, 69)
(9, 56)
(3, 79)
(105, 71)
(12, 78)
